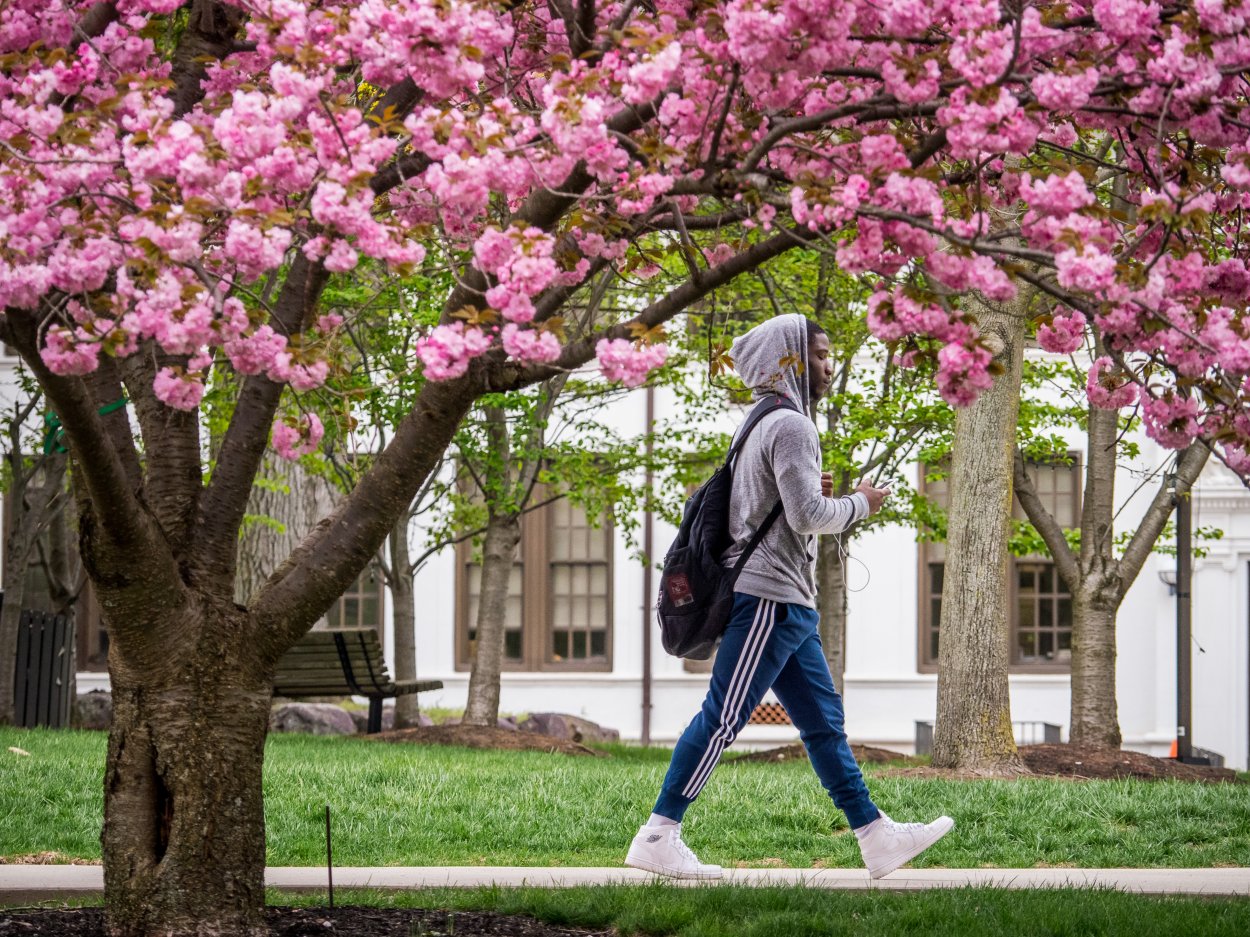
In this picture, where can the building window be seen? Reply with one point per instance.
(558, 614)
(1039, 602)
(361, 605)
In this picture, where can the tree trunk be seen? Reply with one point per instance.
(503, 532)
(1096, 598)
(1095, 717)
(403, 614)
(831, 599)
(280, 513)
(973, 731)
(183, 838)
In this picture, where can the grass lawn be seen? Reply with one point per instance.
(728, 911)
(418, 805)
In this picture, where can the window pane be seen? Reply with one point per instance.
(1046, 613)
(936, 573)
(599, 643)
(1046, 644)
(579, 644)
(1026, 611)
(512, 644)
(369, 612)
(560, 644)
(1047, 579)
(351, 610)
(1026, 579)
(1027, 642)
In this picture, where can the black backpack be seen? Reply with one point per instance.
(696, 591)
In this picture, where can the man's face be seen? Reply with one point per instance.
(819, 367)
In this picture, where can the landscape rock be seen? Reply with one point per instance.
(93, 710)
(564, 726)
(312, 718)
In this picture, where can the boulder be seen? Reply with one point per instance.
(93, 710)
(564, 726)
(312, 718)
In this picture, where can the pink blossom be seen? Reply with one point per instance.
(1062, 92)
(292, 439)
(1108, 387)
(530, 344)
(1171, 420)
(252, 354)
(64, 355)
(627, 362)
(448, 349)
(177, 389)
(1064, 334)
(963, 373)
(1091, 270)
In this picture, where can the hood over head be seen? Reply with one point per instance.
(772, 359)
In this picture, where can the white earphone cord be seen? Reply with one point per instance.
(843, 556)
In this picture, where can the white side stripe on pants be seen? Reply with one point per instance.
(735, 694)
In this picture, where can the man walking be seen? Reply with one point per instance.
(772, 640)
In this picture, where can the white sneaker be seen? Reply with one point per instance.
(660, 849)
(885, 845)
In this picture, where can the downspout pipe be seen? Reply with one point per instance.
(648, 543)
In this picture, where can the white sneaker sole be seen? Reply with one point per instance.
(647, 866)
(941, 827)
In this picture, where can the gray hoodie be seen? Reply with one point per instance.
(781, 459)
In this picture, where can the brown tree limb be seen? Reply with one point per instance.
(209, 36)
(224, 502)
(578, 353)
(171, 444)
(1189, 467)
(1051, 533)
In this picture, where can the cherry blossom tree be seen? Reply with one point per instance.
(181, 180)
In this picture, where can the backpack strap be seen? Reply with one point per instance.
(766, 406)
(762, 409)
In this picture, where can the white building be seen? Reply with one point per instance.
(582, 633)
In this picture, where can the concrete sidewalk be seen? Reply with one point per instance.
(24, 884)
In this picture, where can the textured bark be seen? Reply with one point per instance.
(831, 602)
(404, 617)
(503, 532)
(1095, 720)
(183, 837)
(283, 512)
(973, 731)
(1096, 580)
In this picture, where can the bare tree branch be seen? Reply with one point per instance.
(1052, 534)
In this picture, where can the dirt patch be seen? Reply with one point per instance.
(302, 922)
(864, 754)
(1077, 763)
(486, 737)
(46, 858)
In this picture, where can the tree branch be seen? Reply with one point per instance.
(225, 500)
(1189, 466)
(171, 445)
(1052, 534)
(578, 353)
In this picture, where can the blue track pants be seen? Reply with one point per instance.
(769, 644)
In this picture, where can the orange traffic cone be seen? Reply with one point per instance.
(1173, 752)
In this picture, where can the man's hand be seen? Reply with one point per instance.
(874, 495)
(826, 484)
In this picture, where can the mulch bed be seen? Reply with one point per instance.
(1071, 762)
(305, 922)
(864, 754)
(486, 737)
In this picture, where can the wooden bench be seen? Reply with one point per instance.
(343, 662)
